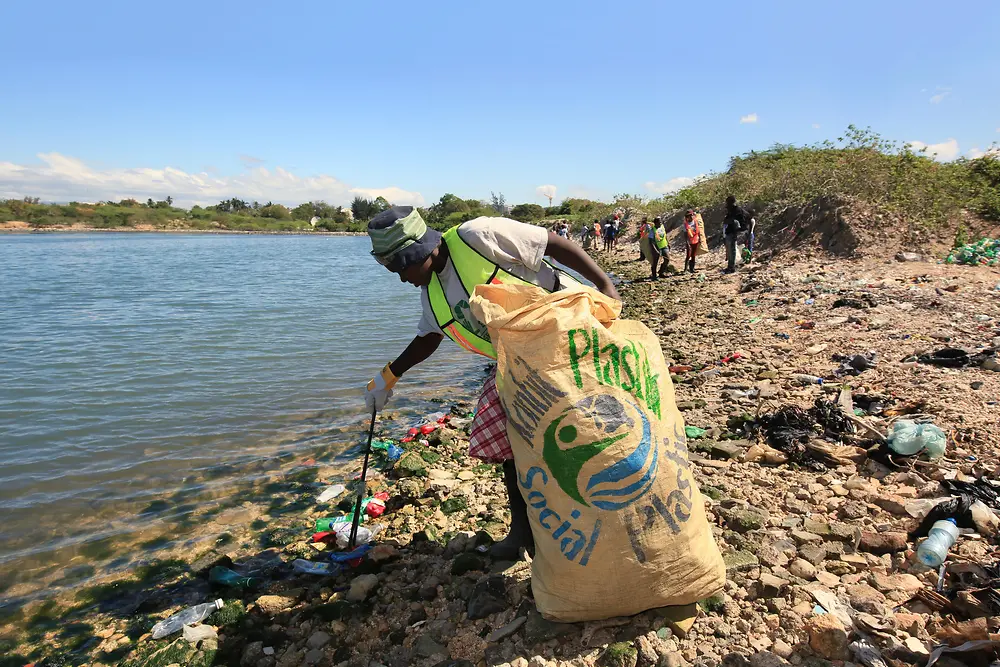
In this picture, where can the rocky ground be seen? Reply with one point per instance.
(816, 547)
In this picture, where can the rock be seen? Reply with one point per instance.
(865, 598)
(274, 604)
(828, 579)
(828, 637)
(361, 586)
(507, 630)
(772, 556)
(645, 646)
(770, 586)
(467, 562)
(435, 474)
(207, 561)
(314, 656)
(453, 663)
(767, 659)
(882, 543)
(318, 640)
(805, 537)
(672, 659)
(292, 657)
(742, 520)
(740, 561)
(429, 589)
(252, 652)
(538, 629)
(782, 649)
(621, 654)
(410, 464)
(735, 660)
(454, 504)
(835, 531)
(487, 598)
(458, 544)
(383, 552)
(466, 475)
(813, 553)
(726, 450)
(802, 569)
(425, 646)
(893, 504)
(897, 582)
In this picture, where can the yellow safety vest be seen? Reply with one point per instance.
(660, 238)
(472, 269)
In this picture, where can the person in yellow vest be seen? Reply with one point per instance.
(447, 268)
(658, 248)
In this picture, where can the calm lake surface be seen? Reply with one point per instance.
(144, 376)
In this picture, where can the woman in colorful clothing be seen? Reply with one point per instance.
(697, 244)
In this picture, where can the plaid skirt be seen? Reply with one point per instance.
(488, 437)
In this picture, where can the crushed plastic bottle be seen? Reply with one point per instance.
(309, 567)
(175, 623)
(331, 492)
(803, 379)
(933, 551)
(909, 438)
(226, 577)
(329, 524)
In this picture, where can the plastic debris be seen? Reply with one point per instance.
(331, 492)
(694, 432)
(910, 438)
(934, 550)
(199, 633)
(226, 577)
(309, 567)
(189, 616)
(982, 252)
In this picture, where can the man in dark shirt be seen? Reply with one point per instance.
(736, 220)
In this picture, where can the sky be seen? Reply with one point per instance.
(300, 101)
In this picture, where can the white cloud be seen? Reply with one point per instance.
(815, 126)
(942, 152)
(976, 152)
(749, 118)
(547, 191)
(939, 96)
(671, 186)
(63, 178)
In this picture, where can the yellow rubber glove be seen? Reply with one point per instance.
(379, 389)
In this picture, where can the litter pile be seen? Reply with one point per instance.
(982, 252)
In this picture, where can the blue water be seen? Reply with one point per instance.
(130, 362)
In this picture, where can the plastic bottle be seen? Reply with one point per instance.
(226, 577)
(934, 549)
(195, 614)
(331, 492)
(802, 378)
(310, 567)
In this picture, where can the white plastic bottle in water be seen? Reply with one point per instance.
(934, 549)
(194, 614)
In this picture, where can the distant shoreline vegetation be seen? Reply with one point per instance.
(859, 166)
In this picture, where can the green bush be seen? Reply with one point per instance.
(526, 212)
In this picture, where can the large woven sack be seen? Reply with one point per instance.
(599, 446)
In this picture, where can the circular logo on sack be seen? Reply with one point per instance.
(570, 447)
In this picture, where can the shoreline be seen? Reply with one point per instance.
(106, 230)
(426, 595)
